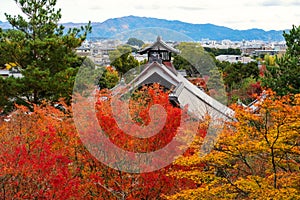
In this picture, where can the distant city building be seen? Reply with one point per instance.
(234, 58)
(83, 51)
(267, 52)
(98, 51)
(6, 73)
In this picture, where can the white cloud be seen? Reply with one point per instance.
(272, 3)
(242, 14)
(281, 3)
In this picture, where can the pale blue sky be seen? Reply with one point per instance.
(237, 14)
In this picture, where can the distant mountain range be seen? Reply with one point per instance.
(4, 25)
(147, 29)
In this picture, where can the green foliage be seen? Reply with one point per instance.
(234, 73)
(239, 79)
(180, 63)
(43, 51)
(216, 86)
(194, 59)
(222, 65)
(63, 83)
(284, 78)
(245, 90)
(269, 60)
(120, 50)
(87, 78)
(109, 78)
(217, 51)
(3, 98)
(135, 42)
(122, 59)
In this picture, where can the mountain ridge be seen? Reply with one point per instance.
(147, 28)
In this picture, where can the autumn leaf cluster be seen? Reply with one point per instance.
(256, 157)
(42, 155)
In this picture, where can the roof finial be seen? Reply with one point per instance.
(159, 38)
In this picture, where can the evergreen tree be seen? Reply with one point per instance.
(122, 59)
(284, 78)
(194, 59)
(135, 42)
(216, 86)
(235, 73)
(43, 51)
(109, 78)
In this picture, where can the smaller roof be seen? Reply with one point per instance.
(159, 45)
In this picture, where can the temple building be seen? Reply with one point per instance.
(160, 69)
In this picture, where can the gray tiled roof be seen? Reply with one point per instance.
(198, 102)
(159, 45)
(183, 91)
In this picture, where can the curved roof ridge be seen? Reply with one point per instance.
(159, 43)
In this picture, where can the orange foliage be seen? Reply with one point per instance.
(42, 156)
(256, 156)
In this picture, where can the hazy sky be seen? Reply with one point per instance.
(237, 14)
